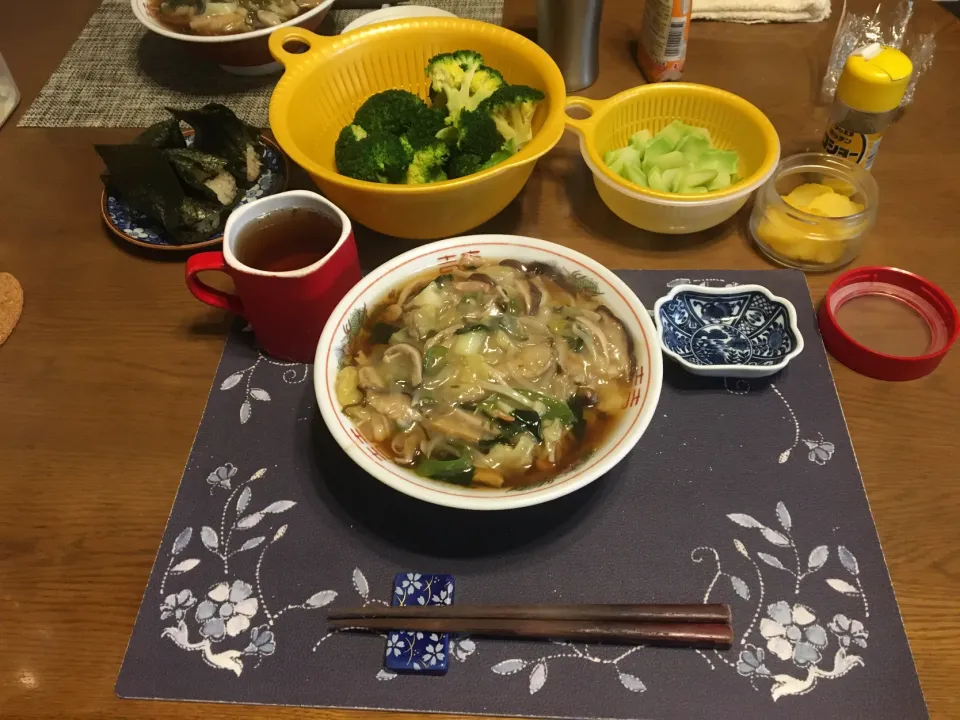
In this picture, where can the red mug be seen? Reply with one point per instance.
(287, 310)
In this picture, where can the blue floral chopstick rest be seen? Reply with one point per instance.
(419, 652)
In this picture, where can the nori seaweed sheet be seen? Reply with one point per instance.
(219, 132)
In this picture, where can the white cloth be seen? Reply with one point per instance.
(761, 11)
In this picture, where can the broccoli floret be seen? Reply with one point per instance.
(512, 108)
(463, 165)
(478, 135)
(509, 149)
(460, 81)
(426, 127)
(427, 164)
(390, 111)
(346, 146)
(374, 156)
(469, 163)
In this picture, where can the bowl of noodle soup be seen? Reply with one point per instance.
(488, 372)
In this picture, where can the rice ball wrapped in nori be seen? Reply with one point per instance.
(219, 132)
(204, 173)
(164, 135)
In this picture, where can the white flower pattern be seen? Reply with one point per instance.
(395, 645)
(792, 633)
(230, 605)
(848, 631)
(176, 606)
(411, 583)
(222, 476)
(794, 639)
(750, 661)
(433, 652)
(227, 611)
(262, 641)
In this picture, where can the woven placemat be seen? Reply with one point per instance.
(745, 492)
(118, 74)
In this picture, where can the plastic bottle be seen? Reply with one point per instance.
(663, 39)
(867, 102)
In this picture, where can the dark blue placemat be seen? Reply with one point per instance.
(739, 492)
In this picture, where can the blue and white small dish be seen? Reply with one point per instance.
(419, 652)
(136, 228)
(743, 331)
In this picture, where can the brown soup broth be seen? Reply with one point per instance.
(576, 449)
(597, 431)
(287, 239)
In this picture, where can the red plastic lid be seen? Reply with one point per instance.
(922, 297)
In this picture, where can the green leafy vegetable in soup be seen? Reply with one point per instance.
(495, 374)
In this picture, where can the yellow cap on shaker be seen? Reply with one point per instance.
(874, 78)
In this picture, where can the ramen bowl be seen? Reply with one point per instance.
(240, 54)
(337, 345)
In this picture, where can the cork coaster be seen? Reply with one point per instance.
(11, 304)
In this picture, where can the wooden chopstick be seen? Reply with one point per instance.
(672, 634)
(613, 613)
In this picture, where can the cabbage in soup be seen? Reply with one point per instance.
(491, 374)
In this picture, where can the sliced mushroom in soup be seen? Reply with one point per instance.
(489, 375)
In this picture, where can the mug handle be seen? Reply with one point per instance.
(203, 292)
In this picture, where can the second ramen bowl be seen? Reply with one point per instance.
(341, 329)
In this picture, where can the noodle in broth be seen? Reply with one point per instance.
(493, 374)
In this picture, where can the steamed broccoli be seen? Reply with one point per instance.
(463, 165)
(508, 149)
(469, 163)
(427, 126)
(390, 111)
(478, 135)
(512, 108)
(473, 122)
(427, 164)
(373, 156)
(460, 81)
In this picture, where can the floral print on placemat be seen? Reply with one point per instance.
(790, 638)
(293, 374)
(229, 621)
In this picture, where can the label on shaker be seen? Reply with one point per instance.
(858, 148)
(663, 39)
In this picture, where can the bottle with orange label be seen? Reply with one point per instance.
(867, 102)
(663, 39)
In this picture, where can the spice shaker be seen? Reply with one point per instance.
(867, 102)
(569, 30)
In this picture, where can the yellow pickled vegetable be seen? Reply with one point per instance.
(839, 186)
(834, 206)
(794, 239)
(799, 240)
(802, 195)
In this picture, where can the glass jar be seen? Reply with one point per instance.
(803, 240)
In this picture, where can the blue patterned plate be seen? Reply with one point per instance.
(739, 331)
(140, 230)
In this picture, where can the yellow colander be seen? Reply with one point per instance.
(322, 88)
(734, 124)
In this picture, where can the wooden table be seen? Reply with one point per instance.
(103, 383)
